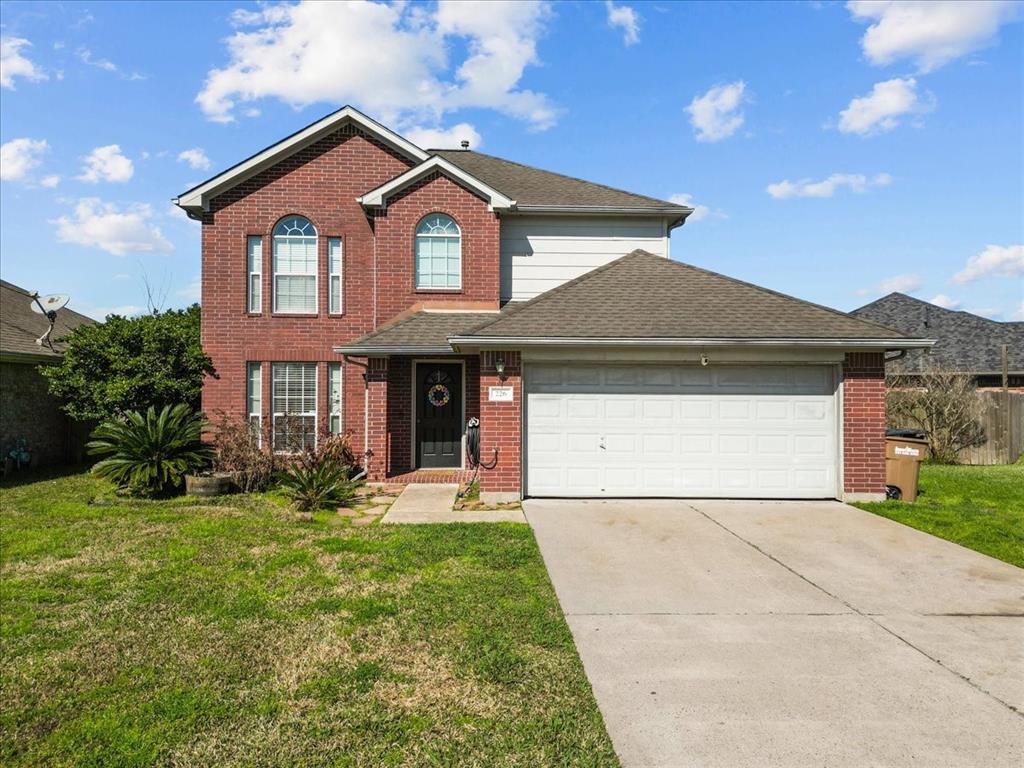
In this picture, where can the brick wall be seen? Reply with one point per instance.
(322, 183)
(27, 410)
(501, 425)
(864, 422)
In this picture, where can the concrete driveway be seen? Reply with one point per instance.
(738, 633)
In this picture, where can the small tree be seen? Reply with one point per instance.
(131, 364)
(942, 403)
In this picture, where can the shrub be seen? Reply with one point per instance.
(149, 455)
(944, 404)
(240, 452)
(313, 486)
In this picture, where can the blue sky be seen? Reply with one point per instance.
(835, 151)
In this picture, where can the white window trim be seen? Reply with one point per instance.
(416, 255)
(254, 268)
(340, 274)
(331, 414)
(258, 413)
(316, 401)
(315, 274)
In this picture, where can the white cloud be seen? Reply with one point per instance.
(19, 156)
(1018, 313)
(625, 18)
(106, 164)
(15, 64)
(716, 114)
(994, 261)
(313, 52)
(882, 109)
(195, 157)
(700, 212)
(103, 225)
(106, 65)
(857, 182)
(993, 313)
(193, 291)
(906, 283)
(944, 301)
(444, 138)
(930, 33)
(50, 181)
(101, 313)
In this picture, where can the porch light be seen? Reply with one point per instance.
(499, 366)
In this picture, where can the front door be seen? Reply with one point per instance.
(438, 415)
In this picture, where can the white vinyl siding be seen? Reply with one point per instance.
(744, 431)
(295, 266)
(254, 259)
(334, 273)
(254, 398)
(294, 402)
(539, 253)
(438, 253)
(334, 396)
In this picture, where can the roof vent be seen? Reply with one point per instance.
(464, 143)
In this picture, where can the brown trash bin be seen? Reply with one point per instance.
(903, 457)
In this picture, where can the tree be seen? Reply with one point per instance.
(131, 364)
(942, 403)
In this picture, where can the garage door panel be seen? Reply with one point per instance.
(758, 431)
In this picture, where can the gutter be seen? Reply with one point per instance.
(613, 341)
(385, 351)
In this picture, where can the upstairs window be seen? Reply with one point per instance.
(295, 266)
(438, 252)
(255, 268)
(334, 256)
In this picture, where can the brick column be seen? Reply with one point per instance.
(864, 426)
(501, 426)
(377, 428)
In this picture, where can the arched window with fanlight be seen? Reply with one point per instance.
(438, 252)
(295, 265)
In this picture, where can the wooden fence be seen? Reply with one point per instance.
(1002, 418)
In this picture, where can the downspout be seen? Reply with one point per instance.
(366, 405)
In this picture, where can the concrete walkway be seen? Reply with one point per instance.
(434, 503)
(722, 633)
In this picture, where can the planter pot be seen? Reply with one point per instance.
(207, 485)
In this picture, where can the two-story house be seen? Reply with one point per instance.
(354, 282)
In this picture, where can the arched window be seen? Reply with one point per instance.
(438, 252)
(295, 266)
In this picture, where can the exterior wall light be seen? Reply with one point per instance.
(499, 367)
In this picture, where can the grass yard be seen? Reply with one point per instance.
(978, 507)
(227, 633)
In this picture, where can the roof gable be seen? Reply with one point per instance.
(197, 199)
(379, 197)
(643, 296)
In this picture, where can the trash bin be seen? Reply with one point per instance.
(905, 449)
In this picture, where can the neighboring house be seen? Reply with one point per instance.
(356, 283)
(963, 342)
(27, 411)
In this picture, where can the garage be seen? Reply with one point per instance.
(755, 431)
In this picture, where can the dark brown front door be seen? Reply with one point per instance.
(438, 415)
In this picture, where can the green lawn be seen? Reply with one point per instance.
(979, 507)
(204, 634)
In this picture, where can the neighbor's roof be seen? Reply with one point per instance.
(646, 298)
(425, 331)
(20, 326)
(963, 341)
(533, 188)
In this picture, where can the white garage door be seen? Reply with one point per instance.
(761, 431)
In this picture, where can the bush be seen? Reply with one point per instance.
(320, 478)
(129, 364)
(240, 452)
(149, 455)
(942, 403)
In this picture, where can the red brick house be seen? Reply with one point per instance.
(357, 283)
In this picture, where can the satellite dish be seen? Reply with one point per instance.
(48, 306)
(43, 305)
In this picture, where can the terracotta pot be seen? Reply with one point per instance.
(207, 485)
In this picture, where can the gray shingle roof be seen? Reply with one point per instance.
(422, 330)
(645, 296)
(530, 186)
(963, 341)
(20, 326)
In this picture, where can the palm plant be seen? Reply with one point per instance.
(313, 485)
(150, 454)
